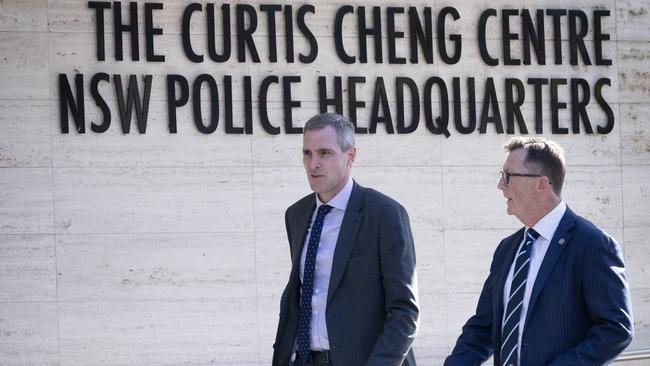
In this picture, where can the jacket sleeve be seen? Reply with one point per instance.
(607, 298)
(399, 280)
(474, 345)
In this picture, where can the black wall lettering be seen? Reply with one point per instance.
(66, 99)
(99, 7)
(456, 39)
(439, 126)
(264, 114)
(151, 31)
(126, 105)
(289, 104)
(556, 105)
(490, 100)
(214, 104)
(172, 102)
(101, 102)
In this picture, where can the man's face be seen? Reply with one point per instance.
(327, 166)
(521, 192)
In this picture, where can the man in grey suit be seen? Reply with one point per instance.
(351, 298)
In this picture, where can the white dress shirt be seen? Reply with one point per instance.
(324, 256)
(546, 228)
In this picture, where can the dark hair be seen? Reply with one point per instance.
(543, 157)
(344, 128)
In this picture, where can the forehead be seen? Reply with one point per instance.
(323, 138)
(515, 160)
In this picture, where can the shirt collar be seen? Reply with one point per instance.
(548, 224)
(341, 199)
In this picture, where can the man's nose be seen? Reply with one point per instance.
(501, 185)
(314, 162)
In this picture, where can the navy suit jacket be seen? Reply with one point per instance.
(579, 311)
(372, 309)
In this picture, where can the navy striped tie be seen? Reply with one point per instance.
(510, 328)
(304, 316)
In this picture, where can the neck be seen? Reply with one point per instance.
(544, 207)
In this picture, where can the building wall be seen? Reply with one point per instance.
(169, 249)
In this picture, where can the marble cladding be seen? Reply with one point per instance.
(26, 139)
(26, 201)
(170, 249)
(153, 199)
(159, 332)
(636, 195)
(29, 333)
(126, 267)
(28, 268)
(23, 69)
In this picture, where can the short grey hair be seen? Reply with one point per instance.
(344, 128)
(544, 156)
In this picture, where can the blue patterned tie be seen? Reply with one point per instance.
(304, 317)
(510, 329)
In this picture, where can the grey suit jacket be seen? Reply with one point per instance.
(372, 307)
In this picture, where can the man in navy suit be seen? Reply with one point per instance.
(556, 293)
(351, 298)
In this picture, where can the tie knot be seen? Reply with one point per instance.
(323, 210)
(532, 234)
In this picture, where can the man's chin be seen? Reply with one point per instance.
(314, 187)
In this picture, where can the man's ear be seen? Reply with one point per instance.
(544, 183)
(352, 153)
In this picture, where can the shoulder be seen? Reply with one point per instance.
(590, 237)
(301, 205)
(379, 202)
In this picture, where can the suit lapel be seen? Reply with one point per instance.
(299, 228)
(347, 237)
(556, 247)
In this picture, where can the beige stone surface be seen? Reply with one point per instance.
(636, 191)
(635, 142)
(27, 268)
(595, 192)
(429, 249)
(26, 139)
(159, 332)
(124, 267)
(151, 199)
(24, 16)
(468, 255)
(26, 201)
(459, 308)
(636, 257)
(641, 307)
(272, 264)
(633, 77)
(472, 200)
(431, 341)
(28, 334)
(23, 69)
(633, 20)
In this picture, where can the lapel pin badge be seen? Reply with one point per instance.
(561, 241)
